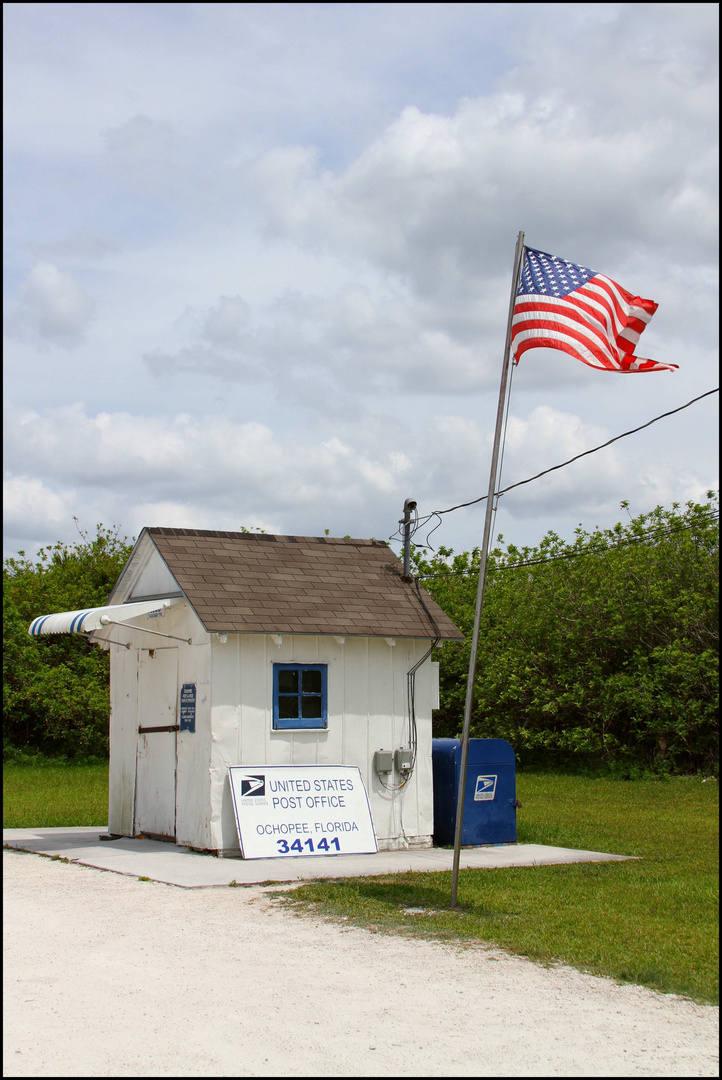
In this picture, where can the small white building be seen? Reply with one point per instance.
(251, 649)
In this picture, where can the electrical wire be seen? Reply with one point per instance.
(411, 677)
(591, 550)
(651, 534)
(416, 524)
(411, 697)
(609, 442)
(537, 476)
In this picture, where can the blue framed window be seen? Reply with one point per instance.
(299, 696)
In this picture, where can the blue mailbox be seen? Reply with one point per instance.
(490, 796)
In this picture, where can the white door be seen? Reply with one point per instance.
(155, 783)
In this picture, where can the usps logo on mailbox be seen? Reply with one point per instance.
(485, 788)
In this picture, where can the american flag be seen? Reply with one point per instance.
(560, 305)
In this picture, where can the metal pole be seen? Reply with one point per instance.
(409, 507)
(482, 574)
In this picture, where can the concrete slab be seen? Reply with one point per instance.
(178, 866)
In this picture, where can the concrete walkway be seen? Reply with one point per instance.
(178, 866)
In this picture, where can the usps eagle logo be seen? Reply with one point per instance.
(485, 788)
(253, 786)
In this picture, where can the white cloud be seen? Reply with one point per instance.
(596, 483)
(208, 472)
(435, 196)
(52, 306)
(548, 437)
(330, 199)
(32, 509)
(206, 457)
(600, 148)
(200, 360)
(223, 324)
(357, 340)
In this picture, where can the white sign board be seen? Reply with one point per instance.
(284, 811)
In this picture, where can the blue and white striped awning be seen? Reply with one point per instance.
(88, 619)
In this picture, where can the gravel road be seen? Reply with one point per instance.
(109, 976)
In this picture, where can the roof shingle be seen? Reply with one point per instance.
(258, 583)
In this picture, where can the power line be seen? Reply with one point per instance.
(632, 431)
(651, 534)
(609, 442)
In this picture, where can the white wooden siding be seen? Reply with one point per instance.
(366, 712)
(123, 739)
(234, 704)
(155, 781)
(193, 749)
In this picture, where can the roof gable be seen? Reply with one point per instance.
(152, 576)
(259, 583)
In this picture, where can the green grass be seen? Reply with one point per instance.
(49, 796)
(653, 922)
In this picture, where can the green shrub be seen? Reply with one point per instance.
(602, 650)
(56, 689)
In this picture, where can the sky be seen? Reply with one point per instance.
(258, 261)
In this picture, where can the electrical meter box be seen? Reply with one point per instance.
(490, 795)
(383, 761)
(404, 759)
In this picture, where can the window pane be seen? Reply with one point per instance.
(287, 682)
(311, 708)
(312, 682)
(288, 708)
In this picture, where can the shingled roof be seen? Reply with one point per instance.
(257, 583)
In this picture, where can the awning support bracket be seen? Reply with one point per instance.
(144, 630)
(106, 640)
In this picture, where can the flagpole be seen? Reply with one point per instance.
(482, 573)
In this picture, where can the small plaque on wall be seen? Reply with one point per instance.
(188, 707)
